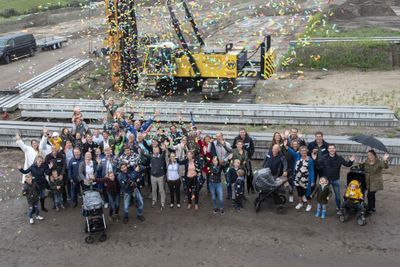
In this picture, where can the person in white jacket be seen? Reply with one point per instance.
(33, 150)
(30, 152)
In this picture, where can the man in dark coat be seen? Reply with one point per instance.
(59, 162)
(330, 166)
(276, 162)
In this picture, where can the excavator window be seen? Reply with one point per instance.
(160, 60)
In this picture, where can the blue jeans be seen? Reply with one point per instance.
(74, 191)
(336, 189)
(58, 200)
(139, 202)
(33, 208)
(113, 202)
(216, 192)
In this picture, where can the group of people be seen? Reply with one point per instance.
(130, 158)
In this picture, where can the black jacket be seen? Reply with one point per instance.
(278, 164)
(55, 183)
(330, 166)
(59, 162)
(86, 146)
(248, 144)
(323, 194)
(158, 165)
(31, 191)
(313, 145)
(38, 174)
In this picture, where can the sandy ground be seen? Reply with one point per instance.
(188, 238)
(352, 87)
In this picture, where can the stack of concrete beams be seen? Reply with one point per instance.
(41, 83)
(222, 113)
(345, 147)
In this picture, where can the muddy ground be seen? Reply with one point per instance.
(175, 237)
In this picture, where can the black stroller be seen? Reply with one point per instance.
(92, 210)
(351, 206)
(269, 187)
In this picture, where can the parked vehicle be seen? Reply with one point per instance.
(16, 45)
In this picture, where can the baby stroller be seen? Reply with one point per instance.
(354, 206)
(92, 210)
(269, 187)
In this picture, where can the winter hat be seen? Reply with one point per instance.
(55, 134)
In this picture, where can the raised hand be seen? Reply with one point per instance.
(17, 136)
(386, 157)
(353, 158)
(51, 164)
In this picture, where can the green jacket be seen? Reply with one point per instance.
(323, 194)
(373, 174)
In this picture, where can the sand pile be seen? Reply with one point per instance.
(362, 8)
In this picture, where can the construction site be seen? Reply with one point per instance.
(264, 65)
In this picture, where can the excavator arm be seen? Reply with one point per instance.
(189, 16)
(179, 33)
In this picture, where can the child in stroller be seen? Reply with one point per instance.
(354, 197)
(269, 187)
(92, 210)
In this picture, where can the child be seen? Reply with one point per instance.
(323, 193)
(239, 189)
(113, 191)
(231, 177)
(353, 192)
(32, 192)
(215, 185)
(56, 184)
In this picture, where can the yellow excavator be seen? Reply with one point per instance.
(168, 66)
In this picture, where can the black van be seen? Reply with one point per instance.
(16, 45)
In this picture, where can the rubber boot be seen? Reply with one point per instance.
(42, 204)
(318, 213)
(323, 214)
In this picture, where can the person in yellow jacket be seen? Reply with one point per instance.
(353, 192)
(56, 140)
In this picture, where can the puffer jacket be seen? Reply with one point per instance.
(31, 192)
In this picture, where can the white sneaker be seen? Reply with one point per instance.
(304, 199)
(31, 221)
(308, 208)
(299, 206)
(106, 205)
(290, 198)
(39, 218)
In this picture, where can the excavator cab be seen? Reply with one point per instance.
(160, 59)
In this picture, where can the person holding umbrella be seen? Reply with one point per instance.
(373, 167)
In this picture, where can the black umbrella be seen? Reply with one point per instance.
(370, 141)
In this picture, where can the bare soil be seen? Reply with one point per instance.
(178, 237)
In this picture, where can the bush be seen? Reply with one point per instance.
(9, 12)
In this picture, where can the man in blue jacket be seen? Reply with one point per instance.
(129, 182)
(73, 175)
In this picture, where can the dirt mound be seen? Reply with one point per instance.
(361, 8)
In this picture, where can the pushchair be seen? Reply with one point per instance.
(92, 210)
(354, 206)
(269, 187)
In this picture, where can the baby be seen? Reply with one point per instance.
(353, 191)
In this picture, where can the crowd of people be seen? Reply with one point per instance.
(131, 158)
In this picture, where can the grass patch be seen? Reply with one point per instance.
(363, 54)
(14, 8)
